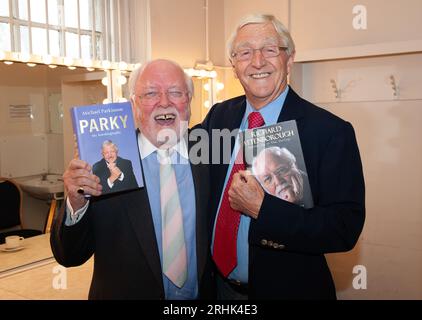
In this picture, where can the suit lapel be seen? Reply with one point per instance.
(292, 108)
(201, 199)
(235, 119)
(139, 212)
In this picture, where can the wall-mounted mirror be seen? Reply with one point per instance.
(34, 107)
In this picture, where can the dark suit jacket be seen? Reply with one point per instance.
(101, 170)
(287, 242)
(119, 230)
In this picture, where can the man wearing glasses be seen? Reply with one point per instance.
(276, 170)
(115, 173)
(150, 243)
(266, 247)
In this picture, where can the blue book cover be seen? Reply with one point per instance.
(107, 140)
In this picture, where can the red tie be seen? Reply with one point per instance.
(228, 219)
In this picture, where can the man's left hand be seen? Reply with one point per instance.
(246, 194)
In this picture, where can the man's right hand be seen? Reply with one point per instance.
(78, 174)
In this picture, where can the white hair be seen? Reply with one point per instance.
(134, 76)
(282, 31)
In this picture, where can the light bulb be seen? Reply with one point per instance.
(220, 86)
(8, 63)
(123, 65)
(31, 64)
(207, 87)
(105, 101)
(122, 80)
(104, 81)
(106, 64)
(52, 66)
(207, 104)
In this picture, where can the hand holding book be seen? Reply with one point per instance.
(78, 174)
(246, 194)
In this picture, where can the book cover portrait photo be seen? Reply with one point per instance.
(107, 140)
(274, 156)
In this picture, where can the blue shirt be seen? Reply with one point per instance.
(151, 168)
(270, 113)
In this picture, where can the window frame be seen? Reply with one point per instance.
(15, 23)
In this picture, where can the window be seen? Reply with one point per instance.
(72, 28)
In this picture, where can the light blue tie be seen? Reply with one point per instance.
(174, 247)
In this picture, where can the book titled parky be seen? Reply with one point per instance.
(274, 156)
(107, 140)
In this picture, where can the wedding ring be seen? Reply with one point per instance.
(81, 190)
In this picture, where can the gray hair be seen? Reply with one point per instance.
(134, 76)
(283, 155)
(107, 143)
(282, 31)
(279, 153)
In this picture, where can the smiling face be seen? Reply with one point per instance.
(109, 153)
(275, 175)
(263, 79)
(162, 103)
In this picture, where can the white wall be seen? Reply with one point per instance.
(326, 25)
(178, 30)
(388, 132)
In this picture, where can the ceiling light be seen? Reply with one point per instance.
(122, 80)
(106, 64)
(123, 65)
(220, 86)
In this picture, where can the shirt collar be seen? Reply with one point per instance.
(146, 147)
(270, 112)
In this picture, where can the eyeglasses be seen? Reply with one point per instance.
(267, 52)
(280, 174)
(152, 97)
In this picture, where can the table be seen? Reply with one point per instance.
(34, 274)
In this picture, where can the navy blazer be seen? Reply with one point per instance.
(118, 229)
(101, 170)
(287, 243)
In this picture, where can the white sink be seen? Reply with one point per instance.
(43, 187)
